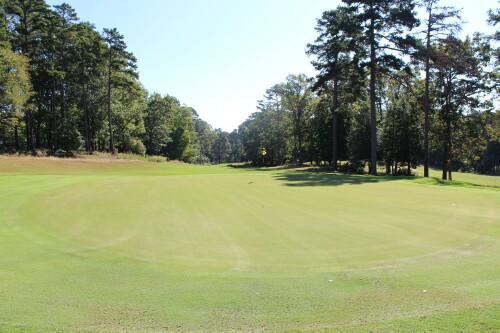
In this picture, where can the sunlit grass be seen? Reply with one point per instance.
(122, 245)
(464, 177)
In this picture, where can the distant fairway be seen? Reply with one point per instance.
(110, 245)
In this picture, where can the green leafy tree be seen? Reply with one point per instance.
(15, 92)
(54, 63)
(88, 51)
(180, 147)
(441, 21)
(489, 161)
(298, 100)
(247, 132)
(460, 80)
(270, 129)
(236, 153)
(336, 51)
(359, 137)
(401, 130)
(15, 88)
(494, 19)
(129, 105)
(157, 123)
(66, 18)
(205, 140)
(27, 19)
(221, 147)
(276, 122)
(120, 61)
(382, 23)
(4, 41)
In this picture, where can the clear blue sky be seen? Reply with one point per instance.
(219, 56)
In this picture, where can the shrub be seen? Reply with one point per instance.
(60, 153)
(135, 146)
(356, 167)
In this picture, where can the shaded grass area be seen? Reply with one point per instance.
(325, 177)
(316, 178)
(105, 249)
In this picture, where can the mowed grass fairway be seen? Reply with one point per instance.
(112, 245)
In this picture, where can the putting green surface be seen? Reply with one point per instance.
(107, 245)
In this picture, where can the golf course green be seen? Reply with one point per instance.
(106, 245)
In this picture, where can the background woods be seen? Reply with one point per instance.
(395, 87)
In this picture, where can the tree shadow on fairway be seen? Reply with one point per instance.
(315, 177)
(324, 177)
(249, 167)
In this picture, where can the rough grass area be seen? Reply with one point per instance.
(123, 245)
(146, 158)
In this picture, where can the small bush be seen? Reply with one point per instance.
(355, 167)
(60, 153)
(156, 159)
(135, 146)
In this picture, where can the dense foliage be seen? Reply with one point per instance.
(392, 89)
(67, 87)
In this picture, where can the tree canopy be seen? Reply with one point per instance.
(392, 90)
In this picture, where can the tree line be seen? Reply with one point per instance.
(65, 87)
(392, 88)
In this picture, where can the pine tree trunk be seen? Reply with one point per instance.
(373, 112)
(448, 139)
(16, 138)
(63, 106)
(30, 141)
(334, 125)
(445, 161)
(426, 98)
(295, 148)
(88, 146)
(63, 93)
(111, 143)
(28, 130)
(38, 131)
(54, 118)
(301, 159)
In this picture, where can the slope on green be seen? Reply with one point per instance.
(134, 246)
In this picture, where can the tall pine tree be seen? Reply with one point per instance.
(383, 24)
(119, 61)
(440, 22)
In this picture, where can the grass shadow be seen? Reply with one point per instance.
(302, 177)
(250, 167)
(325, 177)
